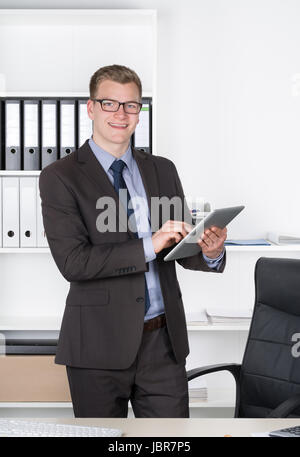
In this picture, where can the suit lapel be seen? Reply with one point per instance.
(91, 167)
(148, 173)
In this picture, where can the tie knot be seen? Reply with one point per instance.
(117, 166)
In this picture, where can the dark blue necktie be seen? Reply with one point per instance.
(119, 183)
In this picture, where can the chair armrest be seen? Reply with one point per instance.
(286, 407)
(234, 369)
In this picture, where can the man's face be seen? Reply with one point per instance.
(113, 128)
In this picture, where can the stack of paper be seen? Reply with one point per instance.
(199, 393)
(279, 239)
(197, 317)
(256, 242)
(224, 315)
(198, 388)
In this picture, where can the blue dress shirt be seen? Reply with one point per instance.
(136, 189)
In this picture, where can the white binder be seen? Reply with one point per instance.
(67, 127)
(31, 147)
(40, 231)
(12, 135)
(10, 207)
(142, 131)
(85, 124)
(28, 212)
(49, 132)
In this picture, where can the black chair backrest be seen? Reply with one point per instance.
(270, 372)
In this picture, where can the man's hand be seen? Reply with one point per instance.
(171, 232)
(212, 241)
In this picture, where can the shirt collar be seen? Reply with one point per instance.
(106, 159)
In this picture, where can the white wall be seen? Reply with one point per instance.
(237, 62)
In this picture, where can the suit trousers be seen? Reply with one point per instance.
(155, 384)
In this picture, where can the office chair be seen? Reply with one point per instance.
(268, 380)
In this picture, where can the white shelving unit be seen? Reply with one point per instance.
(32, 290)
(57, 52)
(53, 53)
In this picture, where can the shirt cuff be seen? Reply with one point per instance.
(214, 263)
(149, 249)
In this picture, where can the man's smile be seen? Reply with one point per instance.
(118, 126)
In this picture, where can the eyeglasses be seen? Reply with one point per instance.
(114, 105)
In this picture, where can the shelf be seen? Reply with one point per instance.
(199, 327)
(217, 398)
(272, 248)
(56, 94)
(35, 404)
(54, 322)
(24, 251)
(20, 172)
(30, 323)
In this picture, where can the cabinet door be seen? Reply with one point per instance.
(32, 378)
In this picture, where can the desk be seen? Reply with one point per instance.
(183, 427)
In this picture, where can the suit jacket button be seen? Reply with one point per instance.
(140, 299)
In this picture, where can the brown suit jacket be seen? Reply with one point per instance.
(103, 320)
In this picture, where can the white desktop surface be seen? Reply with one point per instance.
(182, 427)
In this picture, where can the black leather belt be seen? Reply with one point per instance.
(155, 323)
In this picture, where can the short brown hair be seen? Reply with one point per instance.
(117, 73)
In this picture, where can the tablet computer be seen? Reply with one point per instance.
(188, 245)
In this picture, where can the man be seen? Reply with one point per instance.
(123, 335)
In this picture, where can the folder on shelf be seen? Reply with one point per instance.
(197, 317)
(31, 140)
(284, 239)
(0, 224)
(142, 134)
(28, 212)
(12, 135)
(226, 315)
(258, 242)
(67, 127)
(42, 241)
(85, 124)
(10, 212)
(49, 132)
(2, 129)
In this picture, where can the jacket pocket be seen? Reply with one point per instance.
(88, 297)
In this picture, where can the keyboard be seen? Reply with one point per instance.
(23, 428)
(287, 432)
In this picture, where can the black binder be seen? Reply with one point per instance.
(84, 124)
(2, 131)
(49, 135)
(31, 135)
(13, 123)
(142, 137)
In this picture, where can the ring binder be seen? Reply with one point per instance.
(10, 215)
(67, 127)
(31, 140)
(49, 132)
(85, 124)
(12, 135)
(28, 212)
(142, 135)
